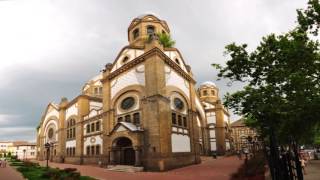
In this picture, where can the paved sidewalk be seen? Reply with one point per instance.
(209, 169)
(313, 170)
(9, 173)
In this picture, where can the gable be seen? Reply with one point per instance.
(125, 126)
(121, 128)
(126, 52)
(176, 57)
(51, 111)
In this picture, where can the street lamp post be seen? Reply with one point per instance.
(47, 146)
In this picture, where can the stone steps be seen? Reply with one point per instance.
(124, 168)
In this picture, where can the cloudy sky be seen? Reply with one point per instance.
(50, 48)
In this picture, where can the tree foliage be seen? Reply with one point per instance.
(283, 78)
(166, 40)
(309, 18)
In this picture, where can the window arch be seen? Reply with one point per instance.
(135, 33)
(205, 93)
(50, 133)
(179, 105)
(212, 92)
(150, 30)
(71, 129)
(128, 108)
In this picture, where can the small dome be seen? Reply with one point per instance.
(148, 14)
(95, 81)
(96, 78)
(208, 83)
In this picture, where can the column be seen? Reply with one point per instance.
(111, 157)
(137, 157)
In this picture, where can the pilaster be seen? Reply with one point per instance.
(156, 108)
(61, 150)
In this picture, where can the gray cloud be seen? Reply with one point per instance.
(51, 48)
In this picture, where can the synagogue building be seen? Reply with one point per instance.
(142, 110)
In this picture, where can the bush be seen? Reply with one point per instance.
(30, 164)
(34, 171)
(69, 170)
(255, 167)
(52, 174)
(16, 164)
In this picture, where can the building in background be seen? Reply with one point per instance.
(22, 149)
(217, 118)
(241, 135)
(142, 110)
(5, 148)
(25, 150)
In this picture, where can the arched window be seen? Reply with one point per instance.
(98, 149)
(88, 150)
(88, 128)
(120, 119)
(174, 118)
(205, 93)
(135, 33)
(92, 127)
(136, 118)
(50, 133)
(185, 122)
(98, 126)
(92, 150)
(71, 129)
(179, 120)
(127, 118)
(150, 30)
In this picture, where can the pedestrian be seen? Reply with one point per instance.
(239, 154)
(303, 165)
(4, 163)
(0, 162)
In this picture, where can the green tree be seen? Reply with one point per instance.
(282, 76)
(309, 19)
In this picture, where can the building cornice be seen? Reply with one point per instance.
(82, 96)
(142, 58)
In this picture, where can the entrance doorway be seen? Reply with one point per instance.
(123, 151)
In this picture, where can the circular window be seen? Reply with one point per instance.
(178, 103)
(127, 103)
(50, 133)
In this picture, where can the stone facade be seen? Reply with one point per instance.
(23, 150)
(142, 110)
(240, 133)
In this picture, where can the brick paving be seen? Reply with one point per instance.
(209, 169)
(9, 173)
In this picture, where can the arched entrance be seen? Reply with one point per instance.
(123, 151)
